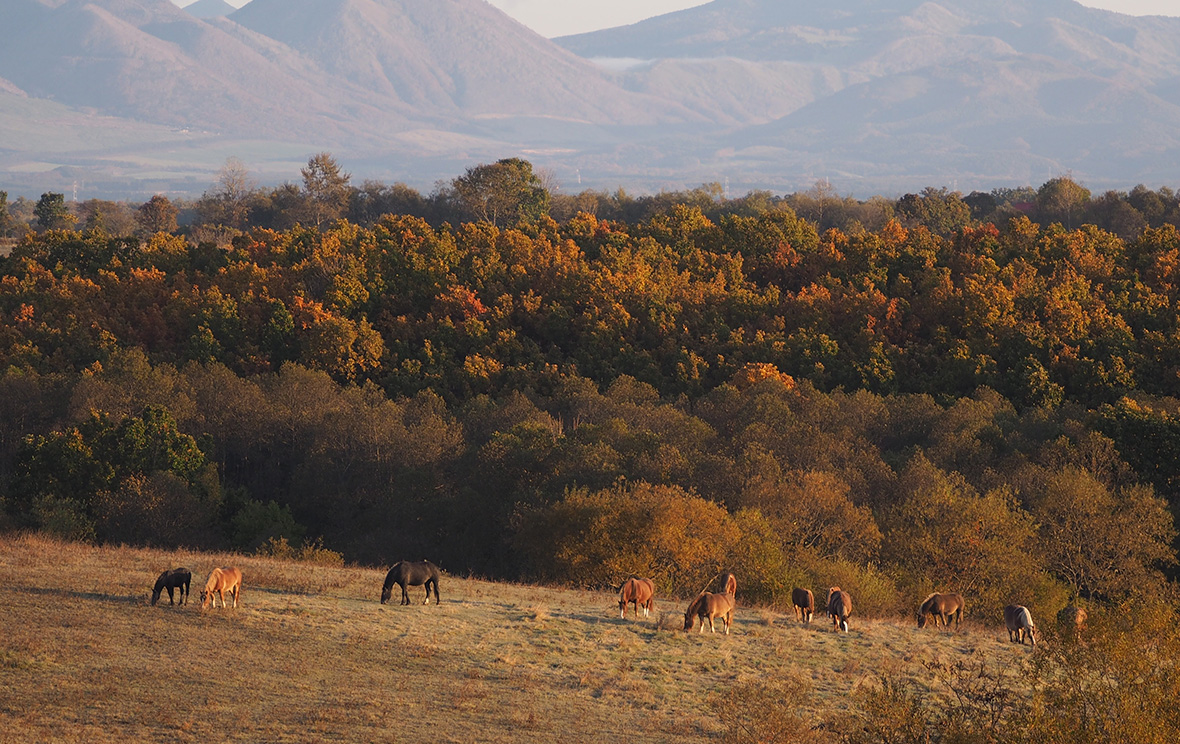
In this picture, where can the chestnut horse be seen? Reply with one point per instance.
(710, 606)
(411, 573)
(804, 602)
(639, 591)
(176, 578)
(839, 608)
(1018, 620)
(222, 581)
(943, 607)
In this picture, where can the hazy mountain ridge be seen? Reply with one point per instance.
(877, 95)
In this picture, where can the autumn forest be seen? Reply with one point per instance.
(943, 391)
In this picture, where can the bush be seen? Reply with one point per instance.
(313, 552)
(766, 712)
(598, 538)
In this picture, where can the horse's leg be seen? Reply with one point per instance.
(170, 602)
(405, 595)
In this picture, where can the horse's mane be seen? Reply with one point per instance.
(931, 596)
(696, 604)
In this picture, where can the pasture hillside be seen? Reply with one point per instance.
(310, 655)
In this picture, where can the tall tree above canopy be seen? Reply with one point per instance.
(1062, 200)
(52, 213)
(505, 192)
(157, 215)
(325, 189)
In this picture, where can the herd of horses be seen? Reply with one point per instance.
(707, 606)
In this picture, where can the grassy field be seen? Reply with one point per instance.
(311, 655)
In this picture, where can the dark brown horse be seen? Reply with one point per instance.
(839, 608)
(176, 578)
(411, 573)
(639, 591)
(943, 607)
(804, 602)
(710, 606)
(222, 581)
(1018, 620)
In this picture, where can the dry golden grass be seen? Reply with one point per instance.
(310, 655)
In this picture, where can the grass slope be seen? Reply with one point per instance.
(310, 655)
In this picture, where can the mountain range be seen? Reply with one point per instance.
(876, 96)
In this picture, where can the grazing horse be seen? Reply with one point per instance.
(222, 581)
(411, 573)
(176, 578)
(943, 607)
(804, 602)
(639, 591)
(1018, 620)
(710, 606)
(839, 608)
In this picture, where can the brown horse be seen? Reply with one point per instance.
(804, 602)
(942, 607)
(221, 581)
(839, 608)
(1018, 620)
(639, 591)
(173, 579)
(710, 606)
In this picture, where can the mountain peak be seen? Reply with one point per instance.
(209, 9)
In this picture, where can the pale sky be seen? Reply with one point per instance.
(561, 17)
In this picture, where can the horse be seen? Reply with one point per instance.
(943, 607)
(639, 591)
(804, 602)
(710, 606)
(839, 608)
(411, 573)
(221, 581)
(1018, 620)
(176, 578)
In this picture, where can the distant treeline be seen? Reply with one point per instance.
(974, 394)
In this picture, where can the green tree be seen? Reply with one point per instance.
(1062, 200)
(51, 212)
(503, 193)
(941, 211)
(5, 217)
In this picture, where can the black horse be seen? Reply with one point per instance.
(176, 578)
(411, 573)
